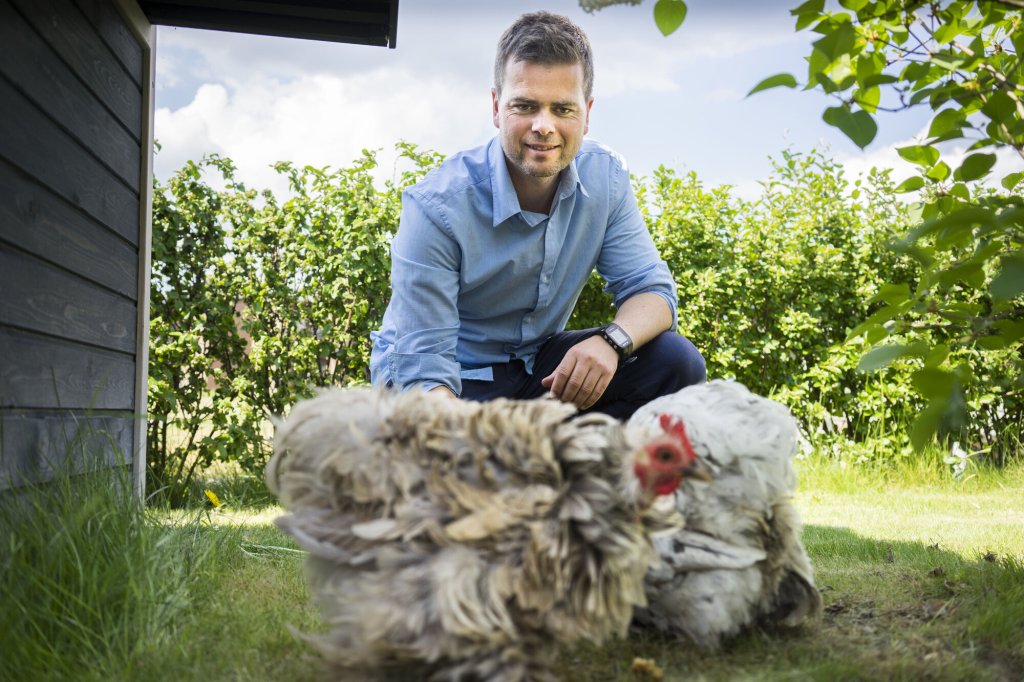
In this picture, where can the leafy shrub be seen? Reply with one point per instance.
(770, 289)
(256, 301)
(963, 323)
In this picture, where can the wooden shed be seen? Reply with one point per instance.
(76, 159)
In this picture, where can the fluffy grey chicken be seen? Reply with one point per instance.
(453, 540)
(739, 558)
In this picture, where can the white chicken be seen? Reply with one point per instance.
(739, 558)
(454, 540)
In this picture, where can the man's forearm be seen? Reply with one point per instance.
(643, 317)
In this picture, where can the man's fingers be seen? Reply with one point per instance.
(592, 389)
(579, 386)
(571, 389)
(599, 389)
(560, 377)
(583, 375)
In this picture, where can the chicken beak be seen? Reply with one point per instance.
(696, 469)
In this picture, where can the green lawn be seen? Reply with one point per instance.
(922, 578)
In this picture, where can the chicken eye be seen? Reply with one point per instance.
(664, 455)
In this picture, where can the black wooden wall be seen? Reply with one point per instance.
(71, 122)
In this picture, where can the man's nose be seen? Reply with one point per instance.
(542, 123)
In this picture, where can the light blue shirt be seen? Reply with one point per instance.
(476, 280)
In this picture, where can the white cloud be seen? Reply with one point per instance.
(186, 133)
(321, 120)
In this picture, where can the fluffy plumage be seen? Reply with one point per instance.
(453, 540)
(739, 558)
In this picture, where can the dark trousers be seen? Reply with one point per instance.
(663, 365)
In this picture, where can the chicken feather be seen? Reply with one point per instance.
(452, 540)
(739, 558)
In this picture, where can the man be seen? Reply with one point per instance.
(495, 246)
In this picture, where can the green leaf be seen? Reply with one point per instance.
(960, 312)
(999, 106)
(922, 155)
(947, 32)
(879, 79)
(933, 383)
(892, 294)
(921, 95)
(937, 355)
(911, 184)
(949, 62)
(669, 15)
(809, 7)
(868, 98)
(926, 424)
(870, 65)
(946, 121)
(993, 342)
(1009, 282)
(959, 190)
(1012, 180)
(1012, 330)
(883, 356)
(974, 167)
(858, 125)
(965, 272)
(839, 41)
(939, 172)
(807, 13)
(778, 80)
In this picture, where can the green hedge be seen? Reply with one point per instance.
(257, 300)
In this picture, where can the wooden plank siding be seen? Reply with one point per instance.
(36, 70)
(72, 220)
(53, 229)
(81, 439)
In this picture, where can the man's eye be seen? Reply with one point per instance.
(563, 111)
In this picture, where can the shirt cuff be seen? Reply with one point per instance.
(425, 370)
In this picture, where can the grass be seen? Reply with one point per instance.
(922, 578)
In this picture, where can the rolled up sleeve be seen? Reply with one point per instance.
(424, 304)
(629, 261)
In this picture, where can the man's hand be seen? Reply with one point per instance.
(584, 373)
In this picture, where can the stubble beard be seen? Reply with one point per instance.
(539, 171)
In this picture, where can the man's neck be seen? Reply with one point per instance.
(534, 194)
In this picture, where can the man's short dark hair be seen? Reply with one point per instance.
(547, 39)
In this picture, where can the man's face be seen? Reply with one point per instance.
(542, 116)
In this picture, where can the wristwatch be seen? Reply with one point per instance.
(618, 339)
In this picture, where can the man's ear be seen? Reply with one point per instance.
(586, 122)
(495, 101)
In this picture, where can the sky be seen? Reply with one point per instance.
(678, 101)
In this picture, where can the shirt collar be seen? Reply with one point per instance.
(570, 180)
(505, 201)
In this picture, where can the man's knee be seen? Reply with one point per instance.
(679, 360)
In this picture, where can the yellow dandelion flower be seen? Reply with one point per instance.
(214, 500)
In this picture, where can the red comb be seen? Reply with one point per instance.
(675, 427)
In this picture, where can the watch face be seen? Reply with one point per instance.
(620, 337)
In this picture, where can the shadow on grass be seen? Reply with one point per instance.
(893, 611)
